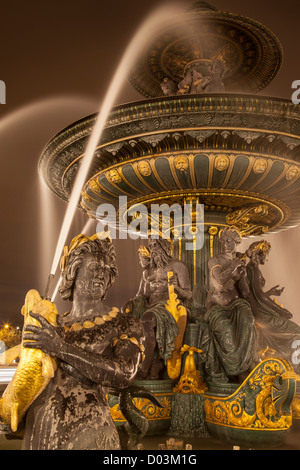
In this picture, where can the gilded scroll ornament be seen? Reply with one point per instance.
(249, 220)
(270, 383)
(149, 410)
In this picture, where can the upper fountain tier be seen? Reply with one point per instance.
(237, 153)
(206, 50)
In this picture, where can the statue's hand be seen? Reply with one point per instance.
(239, 269)
(275, 291)
(173, 280)
(44, 337)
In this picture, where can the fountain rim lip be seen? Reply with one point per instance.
(131, 104)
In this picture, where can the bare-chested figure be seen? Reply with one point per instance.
(227, 272)
(149, 304)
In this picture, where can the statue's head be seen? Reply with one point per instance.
(160, 251)
(230, 237)
(259, 251)
(89, 267)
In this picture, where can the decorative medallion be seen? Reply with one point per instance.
(260, 165)
(144, 168)
(181, 163)
(113, 176)
(292, 172)
(221, 162)
(94, 186)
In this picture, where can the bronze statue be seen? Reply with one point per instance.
(149, 305)
(228, 332)
(275, 329)
(195, 82)
(96, 348)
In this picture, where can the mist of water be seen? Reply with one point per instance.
(134, 49)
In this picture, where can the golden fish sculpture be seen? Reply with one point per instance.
(35, 368)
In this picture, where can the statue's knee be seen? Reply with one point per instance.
(148, 320)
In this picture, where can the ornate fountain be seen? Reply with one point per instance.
(201, 135)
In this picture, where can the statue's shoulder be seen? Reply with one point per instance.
(218, 259)
(177, 263)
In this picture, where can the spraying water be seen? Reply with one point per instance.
(84, 230)
(47, 218)
(133, 50)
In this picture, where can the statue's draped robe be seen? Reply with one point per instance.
(273, 330)
(166, 329)
(228, 340)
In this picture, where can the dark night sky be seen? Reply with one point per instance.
(57, 59)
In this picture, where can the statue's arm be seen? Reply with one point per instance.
(221, 275)
(181, 282)
(117, 371)
(144, 285)
(265, 298)
(141, 287)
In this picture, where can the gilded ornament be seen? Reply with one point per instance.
(88, 324)
(151, 411)
(181, 163)
(273, 385)
(260, 165)
(250, 219)
(213, 230)
(76, 242)
(113, 176)
(222, 162)
(296, 408)
(133, 340)
(190, 381)
(113, 313)
(94, 186)
(107, 318)
(100, 320)
(76, 327)
(292, 173)
(144, 252)
(144, 168)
